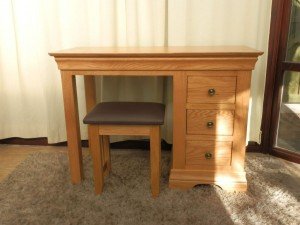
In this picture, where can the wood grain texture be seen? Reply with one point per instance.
(72, 126)
(90, 92)
(220, 150)
(100, 139)
(188, 184)
(155, 160)
(208, 138)
(226, 69)
(210, 106)
(224, 87)
(124, 130)
(222, 122)
(96, 146)
(240, 120)
(179, 119)
(106, 150)
(212, 73)
(129, 73)
(154, 64)
(90, 95)
(226, 179)
(171, 51)
(104, 155)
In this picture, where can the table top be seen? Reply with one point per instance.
(171, 51)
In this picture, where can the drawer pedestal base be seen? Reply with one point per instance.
(228, 180)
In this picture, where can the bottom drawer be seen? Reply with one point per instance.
(208, 153)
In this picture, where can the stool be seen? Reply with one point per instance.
(124, 118)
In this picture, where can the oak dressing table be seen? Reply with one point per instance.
(211, 88)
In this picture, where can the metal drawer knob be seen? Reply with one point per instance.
(211, 92)
(208, 155)
(210, 124)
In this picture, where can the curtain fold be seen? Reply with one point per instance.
(30, 87)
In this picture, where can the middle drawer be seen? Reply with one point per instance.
(212, 122)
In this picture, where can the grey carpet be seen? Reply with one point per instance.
(39, 192)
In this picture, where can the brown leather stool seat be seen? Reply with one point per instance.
(124, 118)
(126, 113)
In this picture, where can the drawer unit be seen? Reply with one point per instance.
(213, 122)
(208, 153)
(212, 109)
(211, 89)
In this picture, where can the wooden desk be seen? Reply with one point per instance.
(210, 104)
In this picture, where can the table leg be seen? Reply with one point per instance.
(179, 127)
(90, 92)
(179, 119)
(155, 159)
(72, 126)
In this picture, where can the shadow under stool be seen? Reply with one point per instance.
(124, 118)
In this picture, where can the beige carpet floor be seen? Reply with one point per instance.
(39, 192)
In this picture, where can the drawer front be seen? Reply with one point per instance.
(213, 122)
(208, 153)
(211, 89)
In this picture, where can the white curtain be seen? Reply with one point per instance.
(30, 88)
(226, 22)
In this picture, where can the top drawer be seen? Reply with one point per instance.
(211, 89)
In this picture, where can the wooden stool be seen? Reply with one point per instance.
(124, 118)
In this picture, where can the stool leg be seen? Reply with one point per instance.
(96, 149)
(106, 150)
(155, 157)
(103, 156)
(89, 136)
